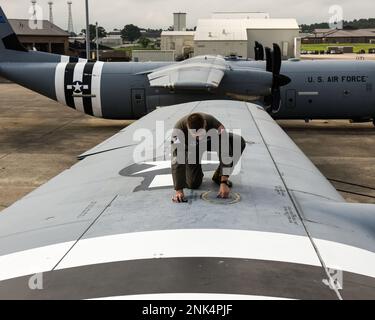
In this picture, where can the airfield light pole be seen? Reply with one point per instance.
(70, 18)
(87, 31)
(97, 42)
(50, 4)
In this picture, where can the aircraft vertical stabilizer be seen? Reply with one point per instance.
(11, 49)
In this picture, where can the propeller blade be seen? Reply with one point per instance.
(273, 58)
(268, 59)
(276, 101)
(276, 61)
(268, 101)
(259, 51)
(256, 50)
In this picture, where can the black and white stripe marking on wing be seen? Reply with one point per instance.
(185, 275)
(188, 275)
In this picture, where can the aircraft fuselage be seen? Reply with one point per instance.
(318, 89)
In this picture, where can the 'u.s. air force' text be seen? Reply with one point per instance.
(337, 79)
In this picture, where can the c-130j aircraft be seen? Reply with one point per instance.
(290, 90)
(106, 228)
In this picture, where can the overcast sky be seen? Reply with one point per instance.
(158, 13)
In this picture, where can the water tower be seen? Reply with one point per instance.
(179, 21)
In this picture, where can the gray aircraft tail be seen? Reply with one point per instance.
(11, 49)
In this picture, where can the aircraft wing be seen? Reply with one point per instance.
(199, 73)
(107, 226)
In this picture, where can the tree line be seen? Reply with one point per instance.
(349, 25)
(129, 33)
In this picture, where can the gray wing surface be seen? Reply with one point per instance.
(199, 73)
(107, 226)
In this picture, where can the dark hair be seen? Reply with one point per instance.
(195, 121)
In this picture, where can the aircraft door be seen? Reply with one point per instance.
(291, 97)
(139, 107)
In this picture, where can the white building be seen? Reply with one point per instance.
(182, 42)
(232, 33)
(113, 39)
(237, 35)
(240, 15)
(153, 55)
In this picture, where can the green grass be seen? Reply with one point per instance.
(356, 46)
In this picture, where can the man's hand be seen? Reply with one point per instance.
(179, 197)
(224, 191)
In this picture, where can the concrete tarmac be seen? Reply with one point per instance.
(342, 151)
(40, 138)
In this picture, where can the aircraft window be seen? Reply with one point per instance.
(138, 97)
(310, 101)
(346, 92)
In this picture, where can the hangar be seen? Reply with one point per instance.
(340, 36)
(229, 33)
(233, 36)
(49, 38)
